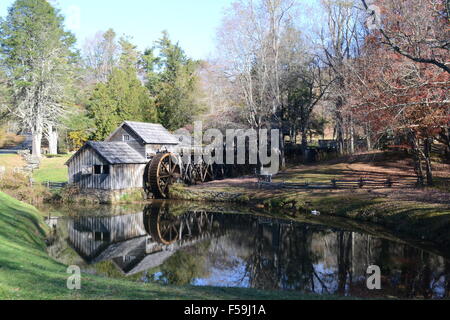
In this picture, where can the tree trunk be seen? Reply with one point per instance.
(417, 158)
(52, 137)
(444, 138)
(352, 136)
(368, 137)
(304, 140)
(340, 136)
(340, 121)
(37, 142)
(419, 169)
(428, 165)
(282, 150)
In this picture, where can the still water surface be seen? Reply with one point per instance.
(207, 247)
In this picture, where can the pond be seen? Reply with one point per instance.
(178, 243)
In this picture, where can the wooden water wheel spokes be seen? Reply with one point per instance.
(188, 174)
(196, 173)
(164, 170)
(206, 172)
(161, 225)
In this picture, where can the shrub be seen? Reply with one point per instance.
(18, 186)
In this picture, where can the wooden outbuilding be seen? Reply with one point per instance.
(119, 162)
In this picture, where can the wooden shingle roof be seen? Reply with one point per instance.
(113, 153)
(117, 152)
(152, 133)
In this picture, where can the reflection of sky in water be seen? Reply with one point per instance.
(309, 258)
(438, 287)
(235, 276)
(325, 281)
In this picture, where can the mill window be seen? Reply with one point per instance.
(97, 169)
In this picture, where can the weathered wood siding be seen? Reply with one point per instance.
(127, 176)
(82, 232)
(121, 177)
(83, 162)
(135, 142)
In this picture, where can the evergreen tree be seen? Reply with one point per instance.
(5, 97)
(37, 54)
(122, 97)
(172, 79)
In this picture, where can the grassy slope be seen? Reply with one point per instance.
(11, 161)
(52, 169)
(27, 272)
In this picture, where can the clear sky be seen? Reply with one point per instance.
(191, 22)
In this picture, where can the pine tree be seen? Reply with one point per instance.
(122, 97)
(5, 97)
(172, 79)
(38, 55)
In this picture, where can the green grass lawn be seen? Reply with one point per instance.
(27, 272)
(52, 169)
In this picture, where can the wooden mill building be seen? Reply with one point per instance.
(119, 162)
(125, 240)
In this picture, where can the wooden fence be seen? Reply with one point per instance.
(51, 185)
(344, 184)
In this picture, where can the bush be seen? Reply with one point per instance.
(18, 186)
(132, 196)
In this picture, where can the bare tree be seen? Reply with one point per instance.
(340, 42)
(416, 29)
(249, 45)
(100, 56)
(304, 82)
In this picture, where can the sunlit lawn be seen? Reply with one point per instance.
(11, 161)
(52, 170)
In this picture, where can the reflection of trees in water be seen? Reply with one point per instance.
(344, 258)
(447, 279)
(274, 253)
(282, 258)
(192, 262)
(317, 259)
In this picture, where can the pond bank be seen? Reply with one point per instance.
(27, 272)
(423, 213)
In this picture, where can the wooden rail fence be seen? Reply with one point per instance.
(50, 185)
(343, 184)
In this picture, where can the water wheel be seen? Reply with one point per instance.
(161, 225)
(189, 174)
(219, 171)
(207, 172)
(161, 173)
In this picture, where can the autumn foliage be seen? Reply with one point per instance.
(399, 85)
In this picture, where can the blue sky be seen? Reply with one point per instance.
(191, 22)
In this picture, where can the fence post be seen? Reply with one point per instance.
(361, 183)
(334, 183)
(389, 182)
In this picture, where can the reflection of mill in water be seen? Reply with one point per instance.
(138, 242)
